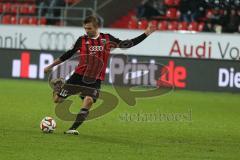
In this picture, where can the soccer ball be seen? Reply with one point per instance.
(48, 125)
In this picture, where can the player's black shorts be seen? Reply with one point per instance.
(82, 85)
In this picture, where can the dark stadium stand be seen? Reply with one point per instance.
(171, 15)
(17, 11)
(23, 12)
(183, 15)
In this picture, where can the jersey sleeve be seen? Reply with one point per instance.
(117, 43)
(72, 51)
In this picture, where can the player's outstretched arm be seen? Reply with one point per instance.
(64, 57)
(50, 67)
(135, 41)
(117, 43)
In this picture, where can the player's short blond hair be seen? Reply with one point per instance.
(91, 19)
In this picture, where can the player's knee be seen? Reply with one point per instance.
(88, 100)
(58, 99)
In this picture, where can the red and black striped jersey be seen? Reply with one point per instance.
(94, 53)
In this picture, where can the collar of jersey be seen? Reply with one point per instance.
(95, 37)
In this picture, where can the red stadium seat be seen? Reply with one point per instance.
(201, 26)
(15, 8)
(193, 26)
(132, 24)
(177, 2)
(172, 26)
(178, 14)
(6, 19)
(183, 26)
(209, 13)
(154, 23)
(169, 2)
(171, 13)
(142, 24)
(24, 9)
(124, 18)
(32, 9)
(14, 20)
(33, 21)
(24, 20)
(7, 7)
(42, 21)
(1, 7)
(162, 25)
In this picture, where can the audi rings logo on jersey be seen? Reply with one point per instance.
(96, 48)
(56, 40)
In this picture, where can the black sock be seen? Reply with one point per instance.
(80, 118)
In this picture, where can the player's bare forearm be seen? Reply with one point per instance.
(50, 67)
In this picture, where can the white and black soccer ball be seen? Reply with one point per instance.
(48, 125)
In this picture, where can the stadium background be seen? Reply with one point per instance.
(203, 66)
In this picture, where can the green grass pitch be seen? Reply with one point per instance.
(212, 134)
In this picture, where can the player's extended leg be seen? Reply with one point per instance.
(56, 98)
(81, 116)
(57, 86)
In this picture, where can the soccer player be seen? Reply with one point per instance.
(93, 49)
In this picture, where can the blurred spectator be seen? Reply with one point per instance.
(160, 6)
(149, 9)
(238, 15)
(224, 18)
(232, 25)
(192, 10)
(141, 9)
(55, 10)
(185, 11)
(198, 9)
(215, 17)
(50, 9)
(208, 27)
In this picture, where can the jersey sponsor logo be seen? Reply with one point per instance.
(96, 48)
